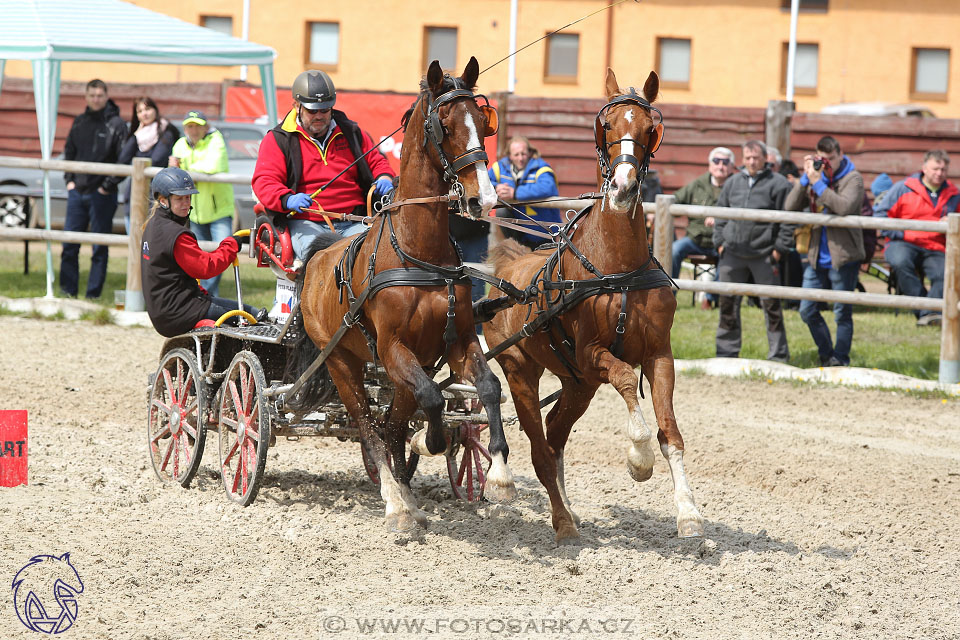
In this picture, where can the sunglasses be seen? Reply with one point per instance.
(314, 112)
(720, 160)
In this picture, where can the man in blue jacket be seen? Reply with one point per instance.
(523, 175)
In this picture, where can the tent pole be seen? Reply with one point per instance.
(269, 86)
(46, 90)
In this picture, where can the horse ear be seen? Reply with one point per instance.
(651, 87)
(470, 73)
(435, 77)
(610, 84)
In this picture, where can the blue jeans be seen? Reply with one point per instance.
(86, 211)
(303, 232)
(842, 279)
(220, 306)
(905, 259)
(215, 231)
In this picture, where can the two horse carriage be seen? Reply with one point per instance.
(378, 315)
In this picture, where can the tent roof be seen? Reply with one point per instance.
(115, 31)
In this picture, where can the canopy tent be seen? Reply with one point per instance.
(47, 32)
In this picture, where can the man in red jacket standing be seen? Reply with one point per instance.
(927, 195)
(307, 150)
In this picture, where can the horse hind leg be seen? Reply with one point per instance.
(396, 436)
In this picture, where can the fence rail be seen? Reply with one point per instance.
(665, 209)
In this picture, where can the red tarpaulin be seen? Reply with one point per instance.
(13, 448)
(377, 113)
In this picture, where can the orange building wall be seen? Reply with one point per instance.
(865, 45)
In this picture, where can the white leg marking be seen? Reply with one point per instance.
(398, 514)
(563, 490)
(418, 443)
(640, 456)
(488, 197)
(689, 520)
(500, 486)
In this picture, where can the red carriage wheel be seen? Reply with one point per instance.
(244, 427)
(176, 424)
(468, 475)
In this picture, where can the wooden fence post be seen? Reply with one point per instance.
(950, 324)
(778, 118)
(139, 199)
(663, 232)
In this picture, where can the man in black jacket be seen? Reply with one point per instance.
(752, 248)
(96, 136)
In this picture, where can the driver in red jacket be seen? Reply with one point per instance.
(307, 150)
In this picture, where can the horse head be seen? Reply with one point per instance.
(627, 134)
(453, 124)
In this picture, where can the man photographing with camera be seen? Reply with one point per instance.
(830, 184)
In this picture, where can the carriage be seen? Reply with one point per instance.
(229, 379)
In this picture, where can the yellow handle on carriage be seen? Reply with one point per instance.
(235, 312)
(241, 233)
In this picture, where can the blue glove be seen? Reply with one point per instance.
(384, 186)
(299, 201)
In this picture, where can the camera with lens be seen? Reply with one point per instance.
(819, 162)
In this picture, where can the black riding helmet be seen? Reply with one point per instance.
(172, 181)
(314, 90)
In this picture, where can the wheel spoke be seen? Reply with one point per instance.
(230, 422)
(237, 403)
(464, 460)
(244, 455)
(231, 453)
(189, 430)
(166, 456)
(163, 432)
(479, 465)
(157, 403)
(469, 466)
(168, 387)
(236, 476)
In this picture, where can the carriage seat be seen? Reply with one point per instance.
(273, 246)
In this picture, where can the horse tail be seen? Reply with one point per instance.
(303, 352)
(504, 253)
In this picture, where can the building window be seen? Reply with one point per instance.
(929, 75)
(440, 43)
(673, 62)
(563, 54)
(223, 24)
(323, 44)
(813, 6)
(806, 66)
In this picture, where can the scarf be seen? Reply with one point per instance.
(149, 135)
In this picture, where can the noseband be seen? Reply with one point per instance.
(601, 126)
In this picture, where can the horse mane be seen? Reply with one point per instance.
(504, 253)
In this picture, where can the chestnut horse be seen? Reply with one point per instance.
(619, 314)
(403, 288)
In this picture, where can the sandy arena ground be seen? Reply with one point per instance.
(831, 513)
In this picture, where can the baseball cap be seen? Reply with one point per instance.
(195, 117)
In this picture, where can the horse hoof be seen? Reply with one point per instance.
(691, 527)
(568, 536)
(418, 443)
(498, 493)
(401, 522)
(640, 462)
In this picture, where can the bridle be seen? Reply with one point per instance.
(435, 132)
(601, 126)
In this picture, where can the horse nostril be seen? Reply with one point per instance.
(473, 205)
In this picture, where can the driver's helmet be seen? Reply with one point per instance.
(172, 181)
(314, 90)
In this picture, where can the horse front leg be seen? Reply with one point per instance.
(500, 486)
(661, 375)
(347, 375)
(398, 424)
(404, 369)
(624, 379)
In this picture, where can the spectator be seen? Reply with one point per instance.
(879, 187)
(774, 159)
(927, 195)
(651, 187)
(523, 175)
(748, 248)
(702, 191)
(150, 136)
(202, 150)
(831, 185)
(96, 136)
(790, 170)
(313, 144)
(172, 261)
